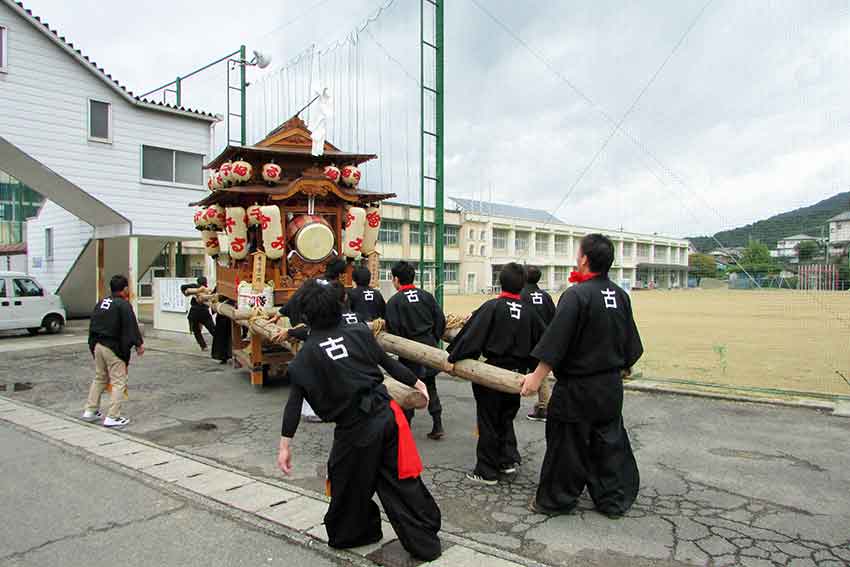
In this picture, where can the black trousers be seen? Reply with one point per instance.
(222, 345)
(429, 378)
(584, 453)
(195, 327)
(497, 444)
(363, 460)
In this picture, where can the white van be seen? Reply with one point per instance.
(25, 305)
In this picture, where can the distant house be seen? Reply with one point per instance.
(788, 248)
(839, 234)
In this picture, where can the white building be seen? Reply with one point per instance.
(788, 248)
(118, 171)
(839, 233)
(481, 237)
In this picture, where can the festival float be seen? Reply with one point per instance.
(277, 215)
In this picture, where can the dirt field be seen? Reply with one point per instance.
(770, 339)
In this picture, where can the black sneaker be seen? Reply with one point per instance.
(509, 469)
(539, 414)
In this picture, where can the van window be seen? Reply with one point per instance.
(26, 288)
(2, 287)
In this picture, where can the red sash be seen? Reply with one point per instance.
(409, 463)
(406, 287)
(578, 277)
(508, 295)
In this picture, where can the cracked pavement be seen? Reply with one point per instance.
(722, 483)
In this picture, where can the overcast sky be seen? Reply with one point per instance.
(749, 118)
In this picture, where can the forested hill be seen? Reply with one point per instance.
(806, 220)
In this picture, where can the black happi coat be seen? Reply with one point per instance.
(337, 371)
(592, 338)
(414, 314)
(197, 310)
(113, 325)
(503, 330)
(367, 302)
(540, 300)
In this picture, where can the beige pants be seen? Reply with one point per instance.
(109, 369)
(544, 393)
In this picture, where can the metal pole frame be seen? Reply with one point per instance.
(422, 143)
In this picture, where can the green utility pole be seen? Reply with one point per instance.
(437, 90)
(243, 87)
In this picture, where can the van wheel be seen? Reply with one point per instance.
(33, 330)
(53, 324)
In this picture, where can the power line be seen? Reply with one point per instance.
(631, 108)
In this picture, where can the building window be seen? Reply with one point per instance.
(450, 236)
(48, 244)
(521, 242)
(100, 121)
(483, 250)
(541, 243)
(428, 232)
(450, 272)
(560, 273)
(172, 166)
(472, 249)
(562, 244)
(483, 235)
(643, 250)
(500, 239)
(4, 66)
(471, 234)
(628, 249)
(385, 273)
(390, 232)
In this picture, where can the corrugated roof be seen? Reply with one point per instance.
(13, 249)
(84, 60)
(840, 217)
(505, 211)
(799, 237)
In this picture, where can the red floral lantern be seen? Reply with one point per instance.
(271, 173)
(350, 175)
(332, 172)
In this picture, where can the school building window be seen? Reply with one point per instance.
(562, 244)
(643, 250)
(521, 242)
(560, 273)
(483, 250)
(471, 234)
(100, 121)
(450, 236)
(628, 249)
(450, 272)
(172, 166)
(385, 273)
(428, 232)
(472, 249)
(500, 239)
(390, 232)
(4, 67)
(541, 243)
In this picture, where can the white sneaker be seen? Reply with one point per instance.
(115, 422)
(91, 416)
(481, 480)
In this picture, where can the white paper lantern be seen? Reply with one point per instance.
(271, 173)
(200, 219)
(352, 241)
(214, 217)
(370, 231)
(226, 172)
(274, 243)
(241, 172)
(332, 173)
(211, 244)
(350, 175)
(255, 215)
(237, 232)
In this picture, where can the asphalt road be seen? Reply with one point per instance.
(62, 509)
(723, 483)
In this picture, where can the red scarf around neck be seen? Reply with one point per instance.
(406, 287)
(509, 295)
(578, 277)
